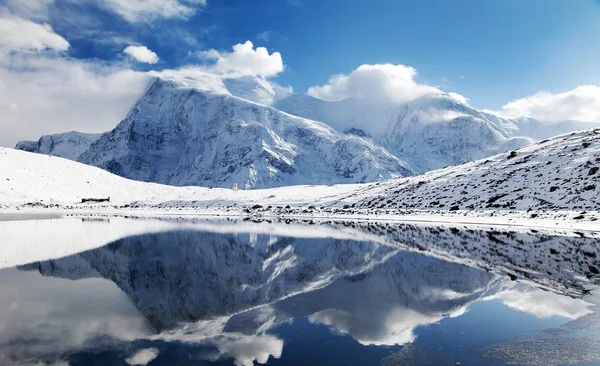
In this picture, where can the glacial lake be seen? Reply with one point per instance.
(168, 291)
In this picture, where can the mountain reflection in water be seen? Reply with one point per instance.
(187, 296)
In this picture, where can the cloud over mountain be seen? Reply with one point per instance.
(581, 104)
(141, 54)
(380, 82)
(245, 60)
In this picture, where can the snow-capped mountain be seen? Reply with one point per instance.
(188, 136)
(431, 132)
(208, 130)
(537, 130)
(69, 145)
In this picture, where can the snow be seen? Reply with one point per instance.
(561, 173)
(181, 136)
(68, 145)
(499, 190)
(31, 178)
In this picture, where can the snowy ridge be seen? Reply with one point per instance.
(559, 173)
(69, 145)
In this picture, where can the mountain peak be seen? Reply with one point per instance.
(256, 89)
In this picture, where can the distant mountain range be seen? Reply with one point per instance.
(214, 131)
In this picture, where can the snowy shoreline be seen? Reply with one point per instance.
(543, 220)
(552, 184)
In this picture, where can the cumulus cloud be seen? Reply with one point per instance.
(581, 104)
(146, 10)
(141, 54)
(390, 326)
(383, 82)
(17, 34)
(44, 91)
(245, 60)
(41, 94)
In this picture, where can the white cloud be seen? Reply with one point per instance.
(245, 60)
(43, 91)
(146, 10)
(380, 82)
(42, 94)
(141, 54)
(18, 34)
(581, 104)
(36, 9)
(142, 357)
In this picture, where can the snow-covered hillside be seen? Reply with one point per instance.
(208, 130)
(31, 179)
(558, 174)
(68, 145)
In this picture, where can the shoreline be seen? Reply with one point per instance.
(562, 220)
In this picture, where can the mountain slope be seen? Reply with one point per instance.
(431, 132)
(69, 145)
(559, 173)
(28, 179)
(185, 136)
(562, 173)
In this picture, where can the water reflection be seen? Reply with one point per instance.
(41, 317)
(185, 296)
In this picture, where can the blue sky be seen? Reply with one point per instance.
(541, 53)
(490, 51)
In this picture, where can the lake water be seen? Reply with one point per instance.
(125, 291)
